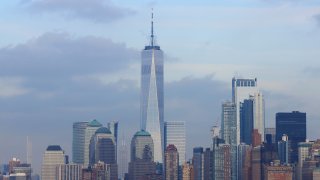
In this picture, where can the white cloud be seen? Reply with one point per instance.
(12, 86)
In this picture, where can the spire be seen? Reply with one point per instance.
(152, 36)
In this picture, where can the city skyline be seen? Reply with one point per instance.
(49, 90)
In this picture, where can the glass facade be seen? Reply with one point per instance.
(90, 130)
(285, 123)
(78, 142)
(152, 97)
(175, 133)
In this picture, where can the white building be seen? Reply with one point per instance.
(52, 157)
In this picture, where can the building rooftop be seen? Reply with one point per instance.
(94, 123)
(142, 133)
(103, 130)
(54, 148)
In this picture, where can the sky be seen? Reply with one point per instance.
(63, 61)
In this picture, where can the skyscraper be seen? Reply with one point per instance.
(78, 139)
(243, 89)
(152, 103)
(198, 163)
(229, 133)
(52, 157)
(103, 148)
(141, 156)
(88, 133)
(175, 133)
(294, 126)
(69, 172)
(283, 150)
(171, 163)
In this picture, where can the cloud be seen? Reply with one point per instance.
(317, 18)
(12, 86)
(95, 10)
(53, 58)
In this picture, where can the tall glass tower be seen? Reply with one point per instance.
(152, 95)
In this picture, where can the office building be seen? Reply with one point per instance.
(187, 171)
(141, 162)
(222, 162)
(103, 149)
(208, 164)
(304, 152)
(283, 150)
(244, 162)
(229, 132)
(175, 133)
(99, 171)
(90, 130)
(13, 163)
(69, 172)
(23, 169)
(152, 102)
(246, 121)
(272, 132)
(52, 157)
(276, 171)
(171, 163)
(293, 124)
(78, 139)
(198, 163)
(241, 90)
(256, 162)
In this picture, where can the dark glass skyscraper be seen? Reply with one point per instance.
(293, 124)
(152, 95)
(246, 121)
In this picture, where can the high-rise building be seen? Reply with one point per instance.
(304, 151)
(152, 101)
(208, 164)
(198, 163)
(141, 156)
(99, 171)
(241, 90)
(272, 132)
(24, 169)
(14, 162)
(246, 121)
(244, 162)
(52, 157)
(78, 139)
(187, 171)
(90, 130)
(103, 149)
(256, 162)
(69, 172)
(283, 150)
(175, 133)
(229, 133)
(171, 163)
(275, 171)
(294, 126)
(123, 157)
(222, 162)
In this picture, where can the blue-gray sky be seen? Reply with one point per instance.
(63, 61)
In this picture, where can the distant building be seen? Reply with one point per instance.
(256, 138)
(23, 169)
(208, 164)
(293, 124)
(152, 99)
(275, 171)
(13, 163)
(283, 150)
(316, 174)
(171, 163)
(304, 152)
(244, 162)
(18, 176)
(256, 163)
(272, 132)
(222, 162)
(187, 171)
(69, 172)
(246, 121)
(175, 133)
(90, 130)
(141, 163)
(103, 149)
(198, 163)
(98, 171)
(52, 157)
(78, 141)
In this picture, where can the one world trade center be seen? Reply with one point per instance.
(151, 98)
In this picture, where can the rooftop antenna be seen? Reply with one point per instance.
(152, 36)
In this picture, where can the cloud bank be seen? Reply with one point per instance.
(103, 11)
